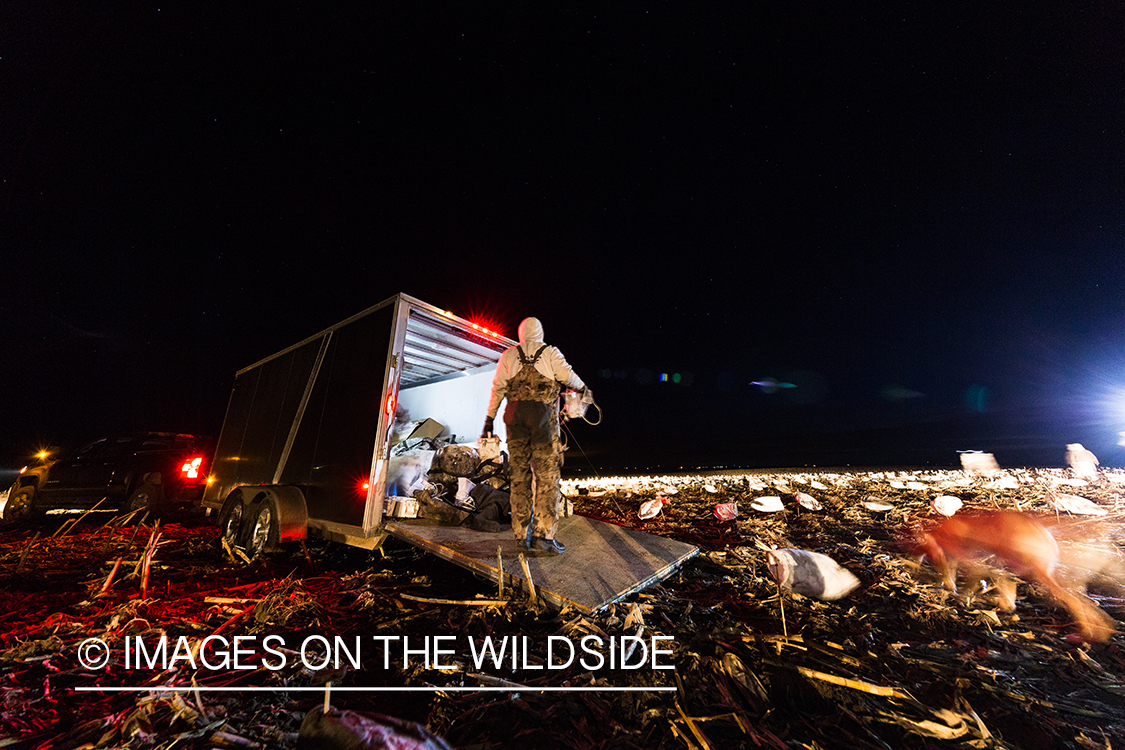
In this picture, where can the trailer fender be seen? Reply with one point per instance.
(290, 511)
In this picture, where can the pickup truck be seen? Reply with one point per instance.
(148, 469)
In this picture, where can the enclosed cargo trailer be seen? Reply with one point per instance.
(305, 445)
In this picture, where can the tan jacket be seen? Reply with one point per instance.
(551, 364)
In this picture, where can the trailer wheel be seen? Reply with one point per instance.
(21, 505)
(263, 530)
(230, 520)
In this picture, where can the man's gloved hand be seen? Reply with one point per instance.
(487, 431)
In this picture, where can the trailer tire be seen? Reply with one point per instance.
(262, 536)
(230, 520)
(21, 505)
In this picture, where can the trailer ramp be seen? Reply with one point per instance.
(603, 562)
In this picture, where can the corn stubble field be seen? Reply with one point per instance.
(898, 662)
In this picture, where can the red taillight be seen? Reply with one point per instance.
(190, 469)
(391, 403)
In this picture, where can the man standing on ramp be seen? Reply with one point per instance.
(530, 376)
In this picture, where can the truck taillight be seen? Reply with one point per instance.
(391, 403)
(190, 469)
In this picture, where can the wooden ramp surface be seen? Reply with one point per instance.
(603, 562)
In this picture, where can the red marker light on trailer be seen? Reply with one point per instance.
(483, 328)
(390, 403)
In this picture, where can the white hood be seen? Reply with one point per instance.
(531, 331)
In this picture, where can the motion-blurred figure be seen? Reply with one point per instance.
(1022, 544)
(1082, 462)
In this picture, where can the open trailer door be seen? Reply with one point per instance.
(603, 562)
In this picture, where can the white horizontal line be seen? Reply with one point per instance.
(334, 689)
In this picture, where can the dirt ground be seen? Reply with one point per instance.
(897, 662)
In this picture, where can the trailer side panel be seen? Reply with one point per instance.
(332, 450)
(260, 413)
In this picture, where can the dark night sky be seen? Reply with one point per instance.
(915, 215)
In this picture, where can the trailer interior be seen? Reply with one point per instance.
(447, 372)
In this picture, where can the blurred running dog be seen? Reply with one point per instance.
(1019, 543)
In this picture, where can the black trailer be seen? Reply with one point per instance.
(305, 447)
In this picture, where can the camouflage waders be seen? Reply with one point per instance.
(532, 420)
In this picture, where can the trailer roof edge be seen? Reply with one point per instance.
(412, 301)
